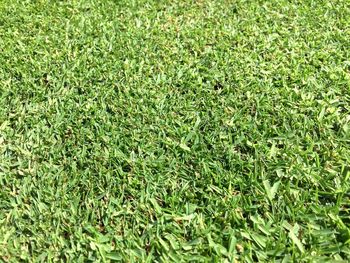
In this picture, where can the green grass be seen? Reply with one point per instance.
(173, 131)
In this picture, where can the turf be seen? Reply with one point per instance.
(174, 131)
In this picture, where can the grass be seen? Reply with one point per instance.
(173, 131)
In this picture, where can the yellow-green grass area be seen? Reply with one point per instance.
(174, 131)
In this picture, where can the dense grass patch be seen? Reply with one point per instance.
(208, 130)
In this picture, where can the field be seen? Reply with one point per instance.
(174, 131)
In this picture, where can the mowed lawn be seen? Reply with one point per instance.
(174, 131)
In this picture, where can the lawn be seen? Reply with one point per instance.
(174, 131)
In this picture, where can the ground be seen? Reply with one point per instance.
(173, 131)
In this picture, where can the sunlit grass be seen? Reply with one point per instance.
(171, 131)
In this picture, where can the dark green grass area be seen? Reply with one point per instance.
(173, 131)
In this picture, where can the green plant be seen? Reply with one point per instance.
(174, 130)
